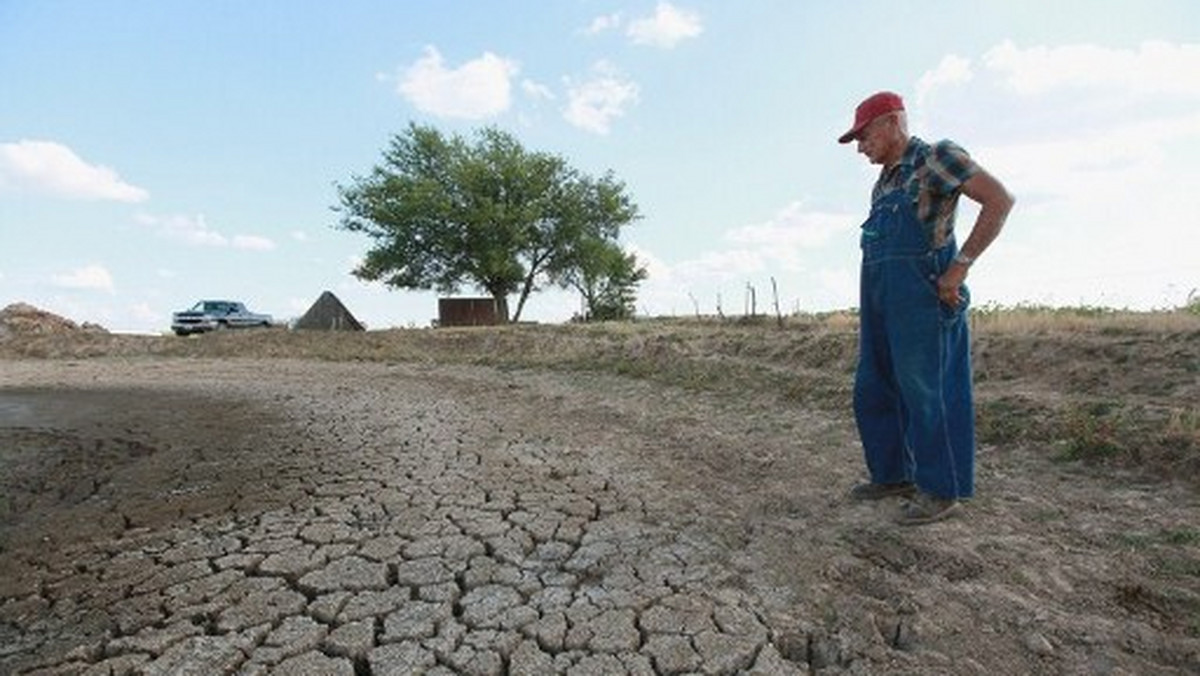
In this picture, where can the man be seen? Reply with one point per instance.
(912, 389)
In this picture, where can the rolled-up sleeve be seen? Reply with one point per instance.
(949, 167)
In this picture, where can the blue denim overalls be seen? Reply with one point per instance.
(912, 390)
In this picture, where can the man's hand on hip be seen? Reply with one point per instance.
(949, 284)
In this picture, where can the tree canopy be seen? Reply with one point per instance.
(444, 213)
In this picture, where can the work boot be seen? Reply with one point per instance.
(873, 491)
(925, 508)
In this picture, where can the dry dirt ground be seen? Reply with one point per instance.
(651, 503)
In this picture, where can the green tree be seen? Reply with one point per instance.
(606, 277)
(444, 213)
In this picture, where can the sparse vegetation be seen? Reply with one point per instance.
(1193, 302)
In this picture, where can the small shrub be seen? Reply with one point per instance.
(1182, 536)
(1192, 306)
(1091, 432)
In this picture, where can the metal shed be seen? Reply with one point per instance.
(483, 311)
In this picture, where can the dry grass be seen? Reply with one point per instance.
(1040, 321)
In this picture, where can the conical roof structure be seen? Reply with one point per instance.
(328, 314)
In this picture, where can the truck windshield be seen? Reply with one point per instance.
(210, 306)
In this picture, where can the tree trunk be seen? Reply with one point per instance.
(535, 267)
(526, 290)
(520, 304)
(501, 302)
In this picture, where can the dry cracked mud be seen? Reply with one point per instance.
(285, 516)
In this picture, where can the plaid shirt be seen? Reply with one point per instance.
(933, 176)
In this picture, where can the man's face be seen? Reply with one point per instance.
(875, 139)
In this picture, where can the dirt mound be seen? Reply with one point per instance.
(22, 319)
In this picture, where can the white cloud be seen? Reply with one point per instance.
(780, 244)
(93, 277)
(252, 243)
(794, 228)
(593, 104)
(54, 169)
(603, 23)
(952, 70)
(666, 27)
(722, 265)
(1154, 67)
(536, 90)
(654, 265)
(194, 231)
(475, 90)
(1097, 167)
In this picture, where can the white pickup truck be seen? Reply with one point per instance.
(215, 315)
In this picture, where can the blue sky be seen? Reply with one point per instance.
(153, 153)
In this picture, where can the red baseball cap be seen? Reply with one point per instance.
(874, 106)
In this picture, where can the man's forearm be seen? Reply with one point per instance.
(995, 204)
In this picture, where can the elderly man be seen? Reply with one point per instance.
(912, 389)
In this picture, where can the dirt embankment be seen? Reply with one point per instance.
(21, 320)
